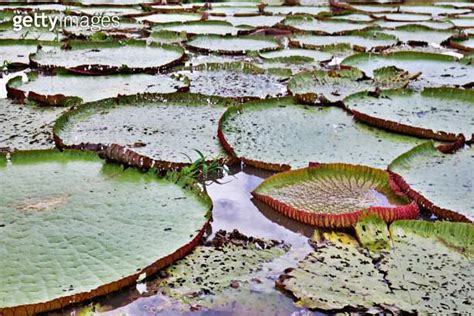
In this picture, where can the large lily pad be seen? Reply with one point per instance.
(464, 23)
(323, 26)
(250, 21)
(283, 54)
(435, 24)
(436, 69)
(232, 45)
(403, 17)
(26, 126)
(419, 34)
(65, 89)
(440, 182)
(333, 86)
(334, 195)
(170, 18)
(200, 28)
(428, 271)
(109, 57)
(164, 128)
(288, 10)
(278, 134)
(465, 43)
(361, 41)
(432, 10)
(438, 113)
(74, 252)
(241, 81)
(16, 53)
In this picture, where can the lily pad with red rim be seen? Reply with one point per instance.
(97, 228)
(306, 23)
(232, 45)
(440, 182)
(334, 195)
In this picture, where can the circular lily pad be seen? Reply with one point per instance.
(316, 55)
(278, 134)
(333, 86)
(233, 10)
(109, 57)
(88, 232)
(65, 89)
(438, 113)
(435, 25)
(170, 18)
(164, 128)
(403, 17)
(406, 279)
(432, 10)
(359, 41)
(299, 9)
(26, 126)
(16, 53)
(240, 81)
(323, 26)
(435, 69)
(334, 195)
(463, 22)
(439, 182)
(463, 43)
(419, 34)
(200, 28)
(231, 44)
(250, 21)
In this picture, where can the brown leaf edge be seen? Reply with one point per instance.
(388, 214)
(400, 186)
(125, 155)
(33, 309)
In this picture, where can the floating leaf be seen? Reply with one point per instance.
(278, 134)
(428, 271)
(439, 182)
(438, 113)
(200, 28)
(334, 195)
(323, 26)
(232, 45)
(160, 127)
(87, 240)
(359, 41)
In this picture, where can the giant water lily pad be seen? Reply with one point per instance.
(240, 81)
(360, 41)
(287, 54)
(92, 233)
(62, 89)
(278, 134)
(250, 21)
(170, 18)
(440, 182)
(164, 128)
(439, 113)
(435, 24)
(26, 126)
(231, 44)
(433, 10)
(200, 27)
(465, 43)
(109, 57)
(403, 17)
(299, 9)
(419, 34)
(428, 271)
(16, 53)
(463, 22)
(323, 26)
(334, 195)
(333, 86)
(436, 69)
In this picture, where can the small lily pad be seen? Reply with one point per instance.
(334, 195)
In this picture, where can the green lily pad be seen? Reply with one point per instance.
(289, 10)
(159, 18)
(440, 182)
(424, 273)
(419, 34)
(87, 239)
(436, 69)
(363, 40)
(334, 195)
(125, 11)
(167, 37)
(250, 21)
(333, 86)
(31, 34)
(232, 45)
(464, 43)
(16, 53)
(164, 128)
(241, 81)
(200, 28)
(109, 57)
(373, 234)
(316, 55)
(438, 113)
(323, 26)
(233, 10)
(353, 17)
(435, 24)
(433, 10)
(403, 17)
(463, 22)
(278, 134)
(64, 88)
(24, 127)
